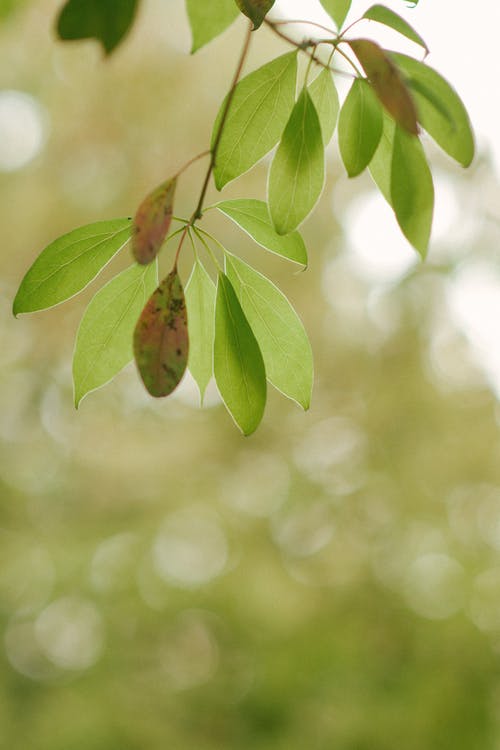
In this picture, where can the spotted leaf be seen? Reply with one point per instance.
(161, 343)
(152, 222)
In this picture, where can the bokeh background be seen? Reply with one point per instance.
(332, 581)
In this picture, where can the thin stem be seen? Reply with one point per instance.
(284, 22)
(348, 59)
(195, 251)
(311, 60)
(199, 233)
(183, 237)
(192, 161)
(351, 25)
(181, 219)
(211, 237)
(303, 47)
(197, 214)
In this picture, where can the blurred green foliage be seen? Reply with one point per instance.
(334, 581)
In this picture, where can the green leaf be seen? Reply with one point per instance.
(381, 164)
(161, 343)
(104, 339)
(200, 302)
(253, 217)
(440, 110)
(360, 127)
(387, 83)
(152, 222)
(337, 9)
(412, 190)
(298, 169)
(388, 17)
(259, 111)
(255, 10)
(209, 19)
(108, 21)
(326, 101)
(278, 329)
(238, 364)
(70, 263)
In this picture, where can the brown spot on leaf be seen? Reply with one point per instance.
(161, 343)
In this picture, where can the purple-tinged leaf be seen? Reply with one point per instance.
(161, 343)
(387, 83)
(152, 222)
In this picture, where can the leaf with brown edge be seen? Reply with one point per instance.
(161, 342)
(255, 10)
(152, 222)
(387, 83)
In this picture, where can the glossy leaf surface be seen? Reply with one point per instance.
(326, 101)
(253, 217)
(387, 83)
(388, 17)
(238, 365)
(209, 19)
(278, 329)
(200, 302)
(108, 21)
(360, 127)
(298, 169)
(104, 339)
(255, 10)
(152, 222)
(161, 343)
(440, 110)
(412, 190)
(259, 111)
(337, 9)
(70, 263)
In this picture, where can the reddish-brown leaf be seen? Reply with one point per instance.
(255, 10)
(152, 221)
(387, 83)
(161, 343)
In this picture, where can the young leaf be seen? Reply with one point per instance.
(253, 217)
(255, 10)
(412, 190)
(259, 111)
(238, 364)
(440, 110)
(387, 83)
(161, 343)
(278, 329)
(200, 302)
(104, 339)
(108, 21)
(326, 102)
(298, 169)
(152, 222)
(388, 17)
(360, 127)
(70, 263)
(209, 19)
(381, 165)
(337, 9)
